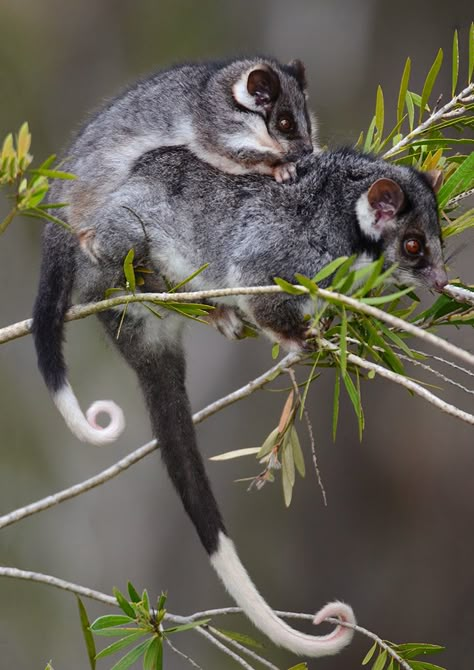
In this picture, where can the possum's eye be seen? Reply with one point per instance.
(285, 123)
(412, 246)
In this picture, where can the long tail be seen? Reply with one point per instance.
(52, 302)
(161, 373)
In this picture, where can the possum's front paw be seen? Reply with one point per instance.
(285, 172)
(227, 321)
(88, 244)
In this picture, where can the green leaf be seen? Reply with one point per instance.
(275, 350)
(134, 597)
(381, 660)
(410, 110)
(379, 112)
(369, 137)
(335, 413)
(299, 666)
(120, 644)
(129, 271)
(297, 451)
(53, 174)
(190, 278)
(343, 342)
(88, 637)
(123, 603)
(383, 299)
(153, 659)
(471, 53)
(430, 80)
(422, 665)
(329, 269)
(110, 621)
(418, 648)
(461, 180)
(187, 626)
(132, 656)
(403, 90)
(37, 213)
(161, 601)
(370, 653)
(145, 600)
(307, 283)
(269, 444)
(354, 396)
(287, 473)
(287, 287)
(455, 71)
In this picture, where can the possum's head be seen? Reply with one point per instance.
(401, 216)
(272, 101)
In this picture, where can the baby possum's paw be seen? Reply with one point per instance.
(88, 244)
(227, 321)
(285, 172)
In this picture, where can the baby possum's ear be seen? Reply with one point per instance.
(298, 69)
(257, 89)
(435, 179)
(379, 206)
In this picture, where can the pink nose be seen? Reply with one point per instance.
(439, 278)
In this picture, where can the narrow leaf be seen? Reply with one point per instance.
(190, 278)
(287, 461)
(329, 269)
(461, 180)
(110, 621)
(53, 174)
(403, 90)
(455, 63)
(370, 136)
(153, 658)
(132, 656)
(287, 287)
(187, 626)
(286, 413)
(88, 637)
(335, 412)
(134, 597)
(237, 453)
(123, 603)
(410, 110)
(269, 444)
(297, 451)
(121, 644)
(471, 53)
(430, 80)
(306, 282)
(370, 653)
(343, 342)
(129, 271)
(379, 112)
(381, 660)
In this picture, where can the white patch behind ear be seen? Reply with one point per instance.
(241, 94)
(366, 218)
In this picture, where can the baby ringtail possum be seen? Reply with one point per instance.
(178, 213)
(240, 116)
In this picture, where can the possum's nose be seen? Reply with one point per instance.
(307, 148)
(439, 278)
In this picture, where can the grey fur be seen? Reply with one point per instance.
(191, 105)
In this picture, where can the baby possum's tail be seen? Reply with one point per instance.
(52, 302)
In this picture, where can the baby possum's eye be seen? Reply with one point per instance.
(412, 246)
(286, 123)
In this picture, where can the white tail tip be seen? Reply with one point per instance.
(86, 427)
(229, 568)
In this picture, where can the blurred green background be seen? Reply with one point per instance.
(396, 540)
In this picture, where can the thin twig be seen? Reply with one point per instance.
(309, 428)
(182, 654)
(241, 648)
(206, 614)
(141, 452)
(407, 383)
(461, 196)
(81, 311)
(459, 294)
(447, 110)
(223, 648)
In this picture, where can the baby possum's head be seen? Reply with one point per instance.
(260, 113)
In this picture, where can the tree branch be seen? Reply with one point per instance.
(81, 311)
(141, 452)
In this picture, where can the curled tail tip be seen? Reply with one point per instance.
(341, 634)
(86, 428)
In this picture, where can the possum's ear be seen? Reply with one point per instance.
(385, 198)
(298, 69)
(435, 179)
(378, 207)
(257, 89)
